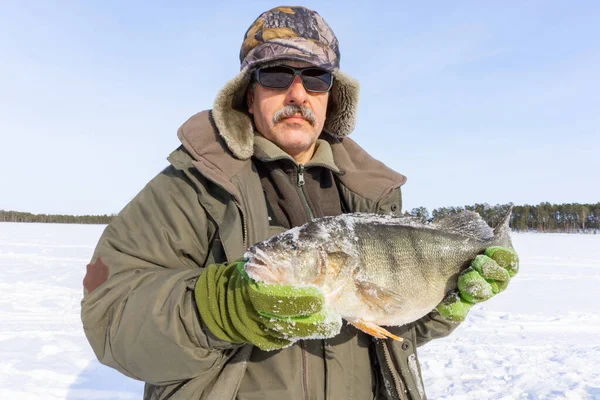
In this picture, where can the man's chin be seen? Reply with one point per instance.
(295, 140)
(296, 129)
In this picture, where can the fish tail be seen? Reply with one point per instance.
(374, 330)
(502, 230)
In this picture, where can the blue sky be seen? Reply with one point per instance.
(474, 101)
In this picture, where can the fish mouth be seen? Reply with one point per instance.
(261, 267)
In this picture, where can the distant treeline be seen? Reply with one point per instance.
(17, 216)
(544, 217)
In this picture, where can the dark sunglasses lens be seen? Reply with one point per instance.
(316, 80)
(275, 77)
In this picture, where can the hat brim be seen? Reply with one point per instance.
(295, 48)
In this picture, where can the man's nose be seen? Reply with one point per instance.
(296, 92)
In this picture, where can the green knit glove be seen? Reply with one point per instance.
(487, 276)
(240, 310)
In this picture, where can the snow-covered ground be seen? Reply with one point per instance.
(538, 340)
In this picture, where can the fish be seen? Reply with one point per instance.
(376, 270)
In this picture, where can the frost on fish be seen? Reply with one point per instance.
(376, 269)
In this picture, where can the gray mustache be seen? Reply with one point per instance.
(293, 109)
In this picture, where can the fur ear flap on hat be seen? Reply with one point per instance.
(231, 116)
(343, 105)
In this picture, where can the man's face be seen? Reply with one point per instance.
(294, 134)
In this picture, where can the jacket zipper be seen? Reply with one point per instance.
(300, 175)
(301, 190)
(388, 360)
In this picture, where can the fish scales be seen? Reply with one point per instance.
(419, 265)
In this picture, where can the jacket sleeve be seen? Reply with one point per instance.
(143, 320)
(432, 326)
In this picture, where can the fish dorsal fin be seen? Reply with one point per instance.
(467, 223)
(502, 231)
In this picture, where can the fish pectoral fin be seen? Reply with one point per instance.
(261, 273)
(377, 297)
(336, 260)
(374, 330)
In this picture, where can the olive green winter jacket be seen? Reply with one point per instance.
(208, 206)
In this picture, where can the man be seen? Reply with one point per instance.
(166, 300)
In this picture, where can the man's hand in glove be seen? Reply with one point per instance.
(487, 276)
(240, 310)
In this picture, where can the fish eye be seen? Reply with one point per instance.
(292, 244)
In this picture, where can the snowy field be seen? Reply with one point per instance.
(538, 340)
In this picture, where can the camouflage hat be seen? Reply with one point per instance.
(291, 33)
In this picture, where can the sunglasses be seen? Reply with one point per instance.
(281, 77)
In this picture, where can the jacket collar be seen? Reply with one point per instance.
(266, 151)
(210, 154)
(357, 170)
